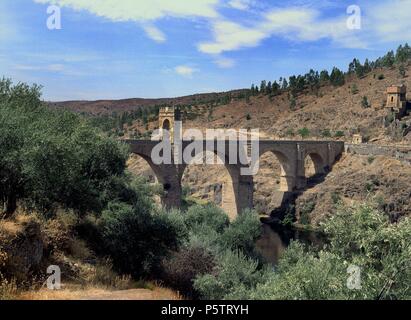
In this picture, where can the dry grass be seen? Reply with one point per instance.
(8, 289)
(76, 292)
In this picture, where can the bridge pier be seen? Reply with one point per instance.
(172, 194)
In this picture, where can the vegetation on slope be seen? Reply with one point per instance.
(56, 168)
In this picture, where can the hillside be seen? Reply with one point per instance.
(102, 107)
(334, 112)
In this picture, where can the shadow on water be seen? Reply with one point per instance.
(276, 238)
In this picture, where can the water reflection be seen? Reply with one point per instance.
(275, 239)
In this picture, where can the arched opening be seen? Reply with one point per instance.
(314, 167)
(140, 167)
(269, 183)
(392, 99)
(166, 125)
(209, 183)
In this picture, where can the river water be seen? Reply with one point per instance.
(275, 239)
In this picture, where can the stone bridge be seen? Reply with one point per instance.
(238, 193)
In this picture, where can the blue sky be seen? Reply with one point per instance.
(110, 49)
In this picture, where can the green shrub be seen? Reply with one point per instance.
(305, 212)
(339, 134)
(290, 132)
(137, 240)
(364, 102)
(304, 133)
(354, 89)
(303, 275)
(200, 217)
(365, 237)
(190, 262)
(326, 133)
(234, 277)
(242, 233)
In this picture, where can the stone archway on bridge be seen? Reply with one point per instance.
(142, 167)
(314, 165)
(207, 180)
(271, 181)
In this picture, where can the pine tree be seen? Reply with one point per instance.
(337, 77)
(263, 86)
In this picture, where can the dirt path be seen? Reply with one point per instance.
(101, 294)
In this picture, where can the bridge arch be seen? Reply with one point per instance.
(314, 165)
(269, 184)
(286, 169)
(224, 179)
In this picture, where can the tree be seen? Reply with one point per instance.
(285, 84)
(388, 60)
(304, 133)
(403, 54)
(364, 102)
(253, 90)
(293, 103)
(337, 77)
(53, 159)
(263, 86)
(269, 88)
(324, 76)
(276, 87)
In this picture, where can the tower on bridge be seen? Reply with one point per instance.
(167, 118)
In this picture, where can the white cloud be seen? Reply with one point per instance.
(390, 20)
(185, 71)
(240, 4)
(154, 33)
(224, 62)
(292, 23)
(57, 68)
(142, 11)
(51, 68)
(231, 36)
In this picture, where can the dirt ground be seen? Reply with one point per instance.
(100, 294)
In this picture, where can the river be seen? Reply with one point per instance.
(275, 239)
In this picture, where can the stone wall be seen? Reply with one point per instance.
(400, 153)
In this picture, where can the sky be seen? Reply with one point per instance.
(111, 49)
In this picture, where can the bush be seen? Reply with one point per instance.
(234, 277)
(199, 217)
(137, 240)
(364, 102)
(326, 133)
(364, 236)
(8, 289)
(242, 233)
(354, 89)
(190, 262)
(339, 134)
(304, 276)
(304, 133)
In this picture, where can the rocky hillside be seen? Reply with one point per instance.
(331, 113)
